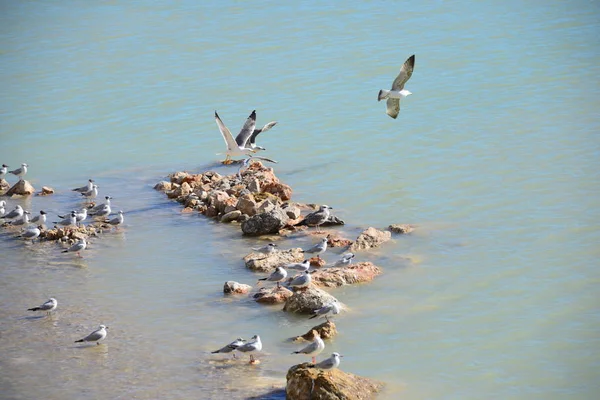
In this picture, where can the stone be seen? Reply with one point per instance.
(231, 216)
(326, 330)
(265, 207)
(187, 210)
(267, 263)
(265, 223)
(370, 238)
(272, 295)
(219, 200)
(401, 228)
(46, 190)
(179, 177)
(254, 186)
(292, 212)
(306, 300)
(21, 188)
(317, 262)
(304, 381)
(211, 212)
(340, 276)
(332, 221)
(70, 234)
(281, 190)
(335, 240)
(163, 186)
(4, 185)
(232, 287)
(246, 204)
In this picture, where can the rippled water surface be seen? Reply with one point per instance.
(495, 157)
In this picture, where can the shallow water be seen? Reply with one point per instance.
(494, 157)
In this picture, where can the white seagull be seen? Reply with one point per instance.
(314, 348)
(318, 248)
(276, 276)
(48, 306)
(301, 281)
(398, 92)
(31, 232)
(2, 208)
(24, 220)
(230, 347)
(344, 261)
(249, 347)
(319, 217)
(91, 194)
(116, 221)
(79, 246)
(68, 220)
(20, 172)
(243, 140)
(327, 310)
(95, 336)
(3, 171)
(101, 206)
(16, 213)
(39, 219)
(301, 266)
(233, 148)
(85, 188)
(330, 363)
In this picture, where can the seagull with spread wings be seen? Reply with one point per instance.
(398, 92)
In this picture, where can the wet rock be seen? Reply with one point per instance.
(326, 330)
(304, 381)
(187, 210)
(335, 240)
(317, 262)
(370, 238)
(180, 177)
(46, 190)
(232, 287)
(211, 211)
(267, 263)
(4, 185)
(246, 204)
(332, 221)
(356, 273)
(21, 188)
(306, 300)
(281, 190)
(401, 228)
(265, 223)
(273, 295)
(231, 216)
(69, 234)
(163, 186)
(229, 208)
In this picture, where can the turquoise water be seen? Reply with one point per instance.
(494, 157)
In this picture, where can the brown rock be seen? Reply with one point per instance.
(293, 213)
(231, 216)
(46, 190)
(306, 300)
(267, 263)
(357, 273)
(4, 185)
(317, 262)
(187, 210)
(401, 228)
(71, 234)
(335, 240)
(211, 212)
(232, 287)
(22, 188)
(326, 330)
(163, 186)
(179, 177)
(273, 295)
(370, 238)
(254, 186)
(265, 223)
(281, 190)
(246, 204)
(304, 381)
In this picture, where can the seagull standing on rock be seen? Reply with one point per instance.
(116, 221)
(302, 266)
(398, 92)
(314, 348)
(24, 220)
(68, 220)
(86, 188)
(20, 172)
(330, 363)
(39, 219)
(344, 261)
(266, 250)
(276, 276)
(301, 281)
(318, 248)
(327, 310)
(251, 346)
(99, 207)
(319, 217)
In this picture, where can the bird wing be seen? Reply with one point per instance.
(94, 336)
(326, 364)
(227, 136)
(247, 130)
(47, 305)
(310, 348)
(393, 107)
(264, 159)
(405, 74)
(263, 129)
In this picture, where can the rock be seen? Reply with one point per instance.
(335, 240)
(219, 200)
(265, 207)
(231, 216)
(246, 204)
(273, 295)
(229, 208)
(211, 212)
(4, 185)
(22, 188)
(304, 381)
(71, 234)
(317, 262)
(401, 228)
(46, 190)
(326, 330)
(187, 210)
(163, 186)
(355, 273)
(265, 223)
(179, 177)
(292, 212)
(267, 263)
(281, 190)
(232, 287)
(333, 220)
(254, 186)
(370, 238)
(306, 300)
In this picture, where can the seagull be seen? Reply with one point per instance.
(276, 276)
(86, 188)
(100, 206)
(330, 363)
(91, 194)
(3, 171)
(230, 347)
(344, 261)
(301, 280)
(31, 232)
(48, 306)
(318, 248)
(318, 218)
(102, 212)
(246, 163)
(79, 246)
(20, 172)
(95, 336)
(327, 310)
(16, 213)
(2, 209)
(79, 216)
(314, 348)
(243, 140)
(233, 148)
(116, 221)
(249, 347)
(24, 220)
(68, 220)
(301, 266)
(398, 92)
(39, 219)
(268, 249)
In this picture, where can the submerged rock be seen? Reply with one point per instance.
(304, 381)
(273, 295)
(21, 188)
(370, 238)
(70, 234)
(326, 330)
(232, 287)
(306, 300)
(46, 190)
(401, 228)
(267, 263)
(265, 223)
(339, 276)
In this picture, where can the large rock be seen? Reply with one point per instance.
(339, 276)
(401, 228)
(370, 238)
(281, 190)
(267, 263)
(233, 287)
(306, 300)
(163, 186)
(273, 295)
(231, 216)
(70, 234)
(246, 204)
(326, 330)
(336, 240)
(304, 381)
(265, 223)
(22, 188)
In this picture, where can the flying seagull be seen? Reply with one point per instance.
(233, 148)
(250, 142)
(398, 92)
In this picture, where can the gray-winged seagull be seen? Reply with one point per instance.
(398, 92)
